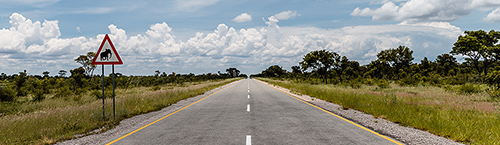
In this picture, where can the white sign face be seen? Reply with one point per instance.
(107, 53)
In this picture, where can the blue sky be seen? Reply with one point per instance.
(206, 36)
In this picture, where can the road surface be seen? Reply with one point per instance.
(250, 112)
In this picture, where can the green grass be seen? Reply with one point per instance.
(470, 126)
(58, 119)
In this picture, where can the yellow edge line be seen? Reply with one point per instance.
(362, 127)
(166, 116)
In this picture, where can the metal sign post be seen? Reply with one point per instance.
(102, 76)
(107, 57)
(113, 75)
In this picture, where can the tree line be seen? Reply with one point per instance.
(481, 65)
(82, 80)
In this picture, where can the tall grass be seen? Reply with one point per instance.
(468, 126)
(82, 114)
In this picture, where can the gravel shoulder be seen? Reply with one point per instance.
(403, 134)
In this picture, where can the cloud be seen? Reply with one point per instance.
(193, 5)
(424, 10)
(244, 17)
(494, 16)
(36, 46)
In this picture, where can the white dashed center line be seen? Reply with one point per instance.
(248, 108)
(248, 96)
(249, 140)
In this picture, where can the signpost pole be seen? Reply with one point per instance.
(102, 76)
(113, 72)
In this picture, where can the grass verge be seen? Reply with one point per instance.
(82, 114)
(462, 124)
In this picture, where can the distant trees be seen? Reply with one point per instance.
(321, 62)
(233, 72)
(274, 71)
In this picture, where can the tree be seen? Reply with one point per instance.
(233, 72)
(274, 71)
(399, 59)
(62, 73)
(477, 45)
(321, 61)
(86, 62)
(19, 82)
(46, 74)
(78, 74)
(446, 63)
(348, 68)
(296, 72)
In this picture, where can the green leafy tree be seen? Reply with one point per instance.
(446, 63)
(20, 81)
(399, 58)
(349, 69)
(86, 62)
(62, 73)
(46, 74)
(296, 72)
(478, 45)
(233, 72)
(321, 62)
(78, 75)
(274, 71)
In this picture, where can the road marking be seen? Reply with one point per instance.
(249, 90)
(249, 140)
(371, 131)
(167, 116)
(248, 96)
(248, 108)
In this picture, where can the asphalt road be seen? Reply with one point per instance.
(250, 112)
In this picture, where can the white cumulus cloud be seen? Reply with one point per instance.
(244, 17)
(494, 16)
(36, 46)
(424, 10)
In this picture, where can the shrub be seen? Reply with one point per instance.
(369, 81)
(468, 89)
(7, 94)
(383, 84)
(355, 85)
(38, 95)
(156, 88)
(63, 92)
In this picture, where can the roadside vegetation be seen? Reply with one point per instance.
(456, 100)
(44, 109)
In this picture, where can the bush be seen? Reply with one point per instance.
(468, 89)
(38, 95)
(63, 92)
(383, 84)
(355, 85)
(7, 94)
(156, 88)
(98, 93)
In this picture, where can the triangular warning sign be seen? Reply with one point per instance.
(107, 53)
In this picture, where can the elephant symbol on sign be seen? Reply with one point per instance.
(106, 55)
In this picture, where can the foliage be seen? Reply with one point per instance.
(468, 89)
(478, 45)
(86, 62)
(274, 71)
(321, 61)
